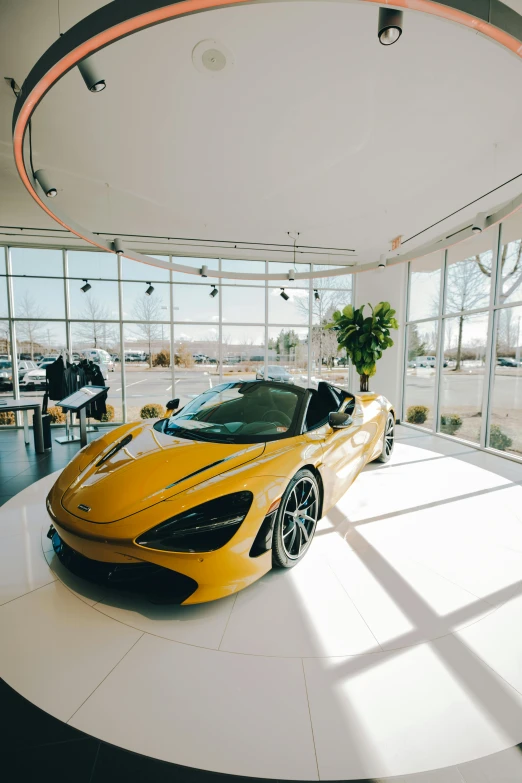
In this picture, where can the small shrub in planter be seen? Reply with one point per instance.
(152, 411)
(109, 416)
(450, 423)
(57, 415)
(498, 439)
(7, 417)
(417, 414)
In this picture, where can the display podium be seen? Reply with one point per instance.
(78, 402)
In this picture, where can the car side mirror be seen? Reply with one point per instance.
(338, 421)
(173, 405)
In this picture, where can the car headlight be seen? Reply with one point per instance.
(203, 528)
(3, 375)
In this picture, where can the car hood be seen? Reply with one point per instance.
(151, 468)
(36, 372)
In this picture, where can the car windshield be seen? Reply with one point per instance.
(251, 412)
(5, 365)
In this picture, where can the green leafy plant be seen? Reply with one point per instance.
(109, 416)
(152, 411)
(450, 423)
(6, 418)
(417, 414)
(498, 439)
(364, 339)
(57, 415)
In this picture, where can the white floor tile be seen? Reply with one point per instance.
(202, 625)
(392, 714)
(22, 565)
(56, 650)
(403, 602)
(235, 714)
(303, 611)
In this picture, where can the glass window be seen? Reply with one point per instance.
(344, 282)
(92, 265)
(195, 303)
(136, 270)
(511, 260)
(243, 304)
(505, 430)
(196, 356)
(243, 351)
(288, 350)
(293, 310)
(140, 306)
(462, 386)
(195, 263)
(469, 273)
(419, 386)
(100, 303)
(3, 294)
(38, 341)
(36, 261)
(148, 374)
(326, 302)
(38, 297)
(424, 298)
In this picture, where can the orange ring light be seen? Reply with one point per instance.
(125, 17)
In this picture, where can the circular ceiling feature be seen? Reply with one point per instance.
(282, 147)
(211, 56)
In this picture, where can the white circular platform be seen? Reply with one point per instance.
(394, 647)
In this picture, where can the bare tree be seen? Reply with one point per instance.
(465, 290)
(31, 332)
(92, 329)
(146, 310)
(324, 342)
(5, 338)
(510, 267)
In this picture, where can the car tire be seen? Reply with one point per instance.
(293, 534)
(388, 440)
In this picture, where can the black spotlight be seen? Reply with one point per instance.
(284, 294)
(390, 26)
(316, 294)
(214, 291)
(91, 77)
(150, 289)
(86, 287)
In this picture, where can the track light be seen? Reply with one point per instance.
(214, 291)
(150, 289)
(284, 295)
(382, 263)
(204, 271)
(118, 247)
(44, 182)
(86, 287)
(90, 74)
(316, 294)
(390, 26)
(291, 275)
(479, 224)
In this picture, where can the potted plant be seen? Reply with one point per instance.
(364, 339)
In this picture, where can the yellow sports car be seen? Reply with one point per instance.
(199, 505)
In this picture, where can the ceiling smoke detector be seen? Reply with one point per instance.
(211, 56)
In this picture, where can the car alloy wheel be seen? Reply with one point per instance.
(296, 520)
(388, 440)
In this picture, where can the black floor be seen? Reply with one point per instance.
(34, 746)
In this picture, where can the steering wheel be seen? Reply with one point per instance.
(279, 417)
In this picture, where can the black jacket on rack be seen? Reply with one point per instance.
(94, 377)
(55, 377)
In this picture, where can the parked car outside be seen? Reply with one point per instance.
(275, 373)
(507, 361)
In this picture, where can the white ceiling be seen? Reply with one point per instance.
(315, 128)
